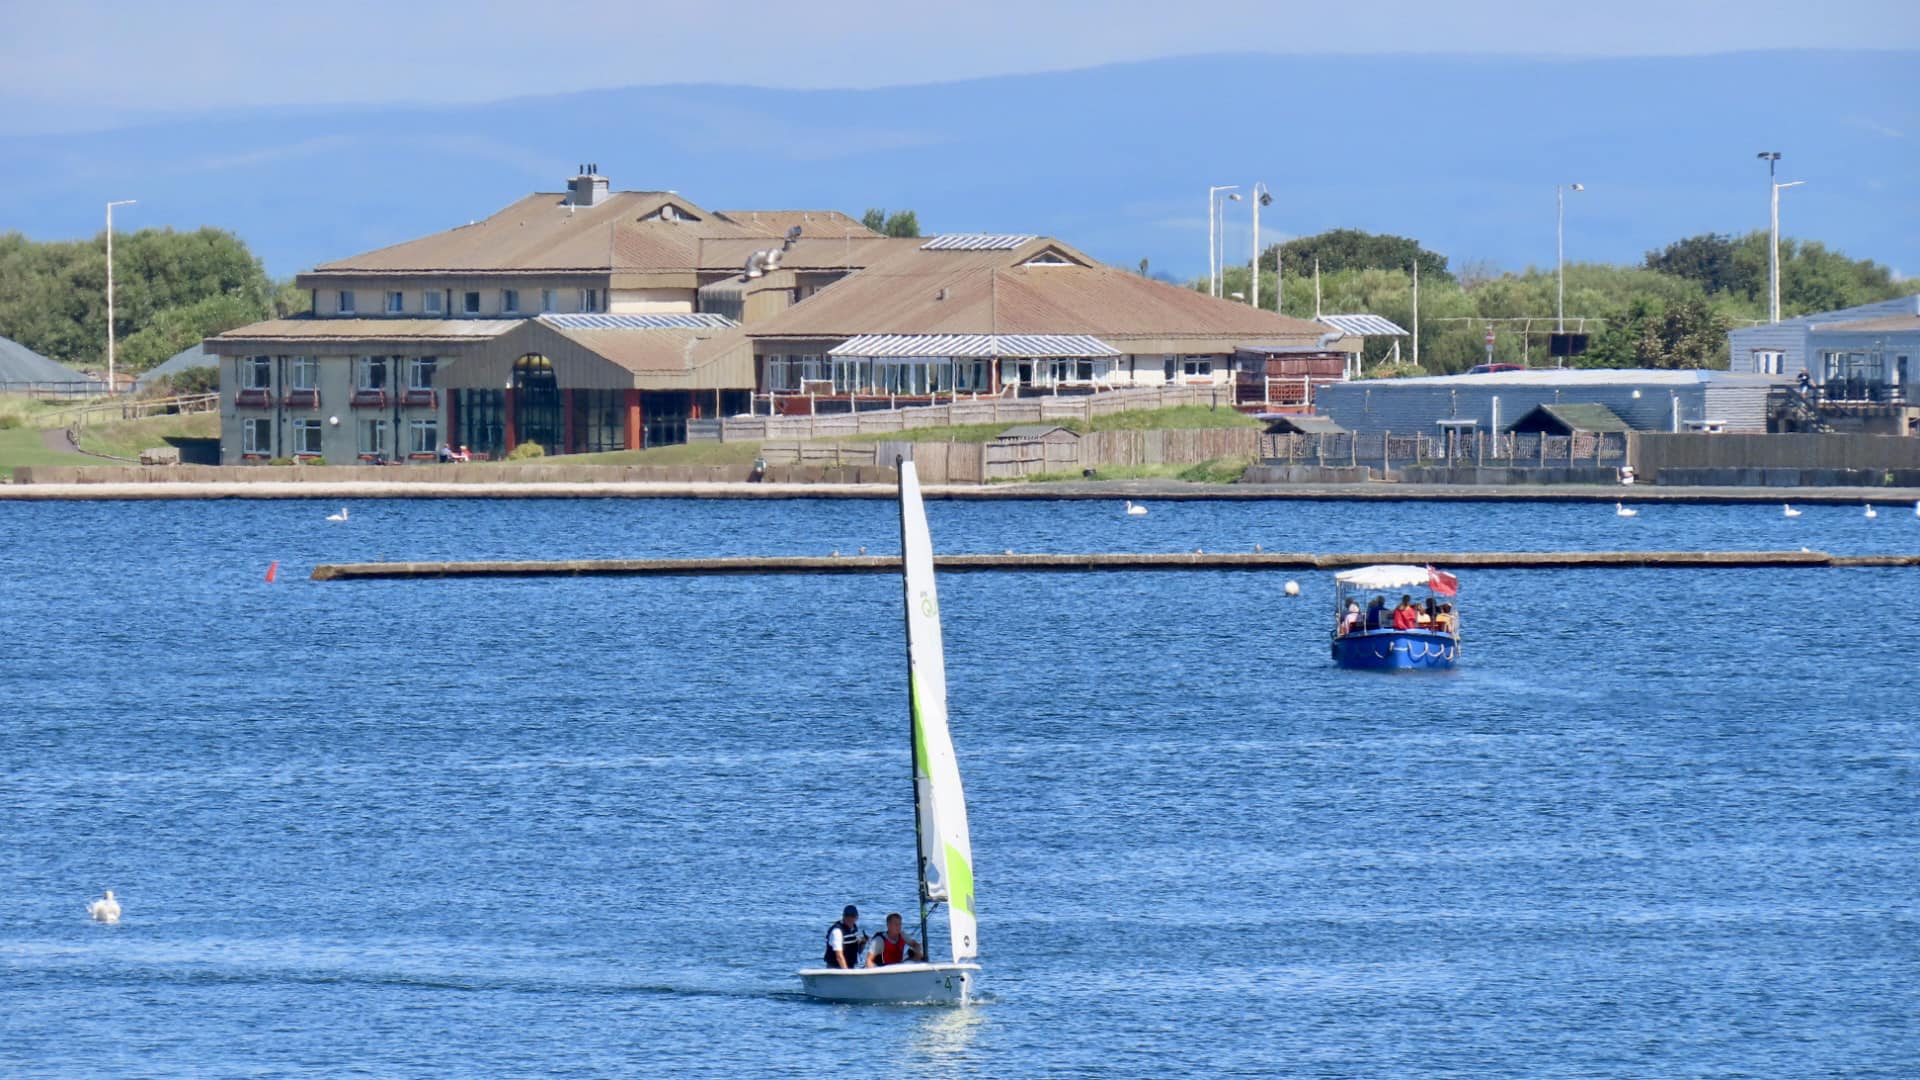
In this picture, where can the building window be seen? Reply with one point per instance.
(256, 373)
(420, 372)
(470, 303)
(548, 301)
(305, 375)
(396, 303)
(430, 301)
(1768, 361)
(373, 438)
(510, 301)
(306, 436)
(589, 299)
(423, 437)
(1195, 366)
(345, 305)
(373, 373)
(256, 435)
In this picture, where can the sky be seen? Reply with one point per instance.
(78, 63)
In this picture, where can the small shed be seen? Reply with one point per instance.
(190, 358)
(1299, 424)
(1031, 448)
(1569, 418)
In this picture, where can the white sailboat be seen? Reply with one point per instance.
(939, 803)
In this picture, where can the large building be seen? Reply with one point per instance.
(591, 319)
(1643, 399)
(1865, 353)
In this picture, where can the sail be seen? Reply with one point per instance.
(940, 806)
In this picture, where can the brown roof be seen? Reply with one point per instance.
(992, 292)
(542, 233)
(811, 222)
(1883, 325)
(667, 350)
(308, 328)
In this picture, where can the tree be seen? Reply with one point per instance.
(899, 223)
(1709, 259)
(1351, 249)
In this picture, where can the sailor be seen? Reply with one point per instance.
(844, 939)
(894, 946)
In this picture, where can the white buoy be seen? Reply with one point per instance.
(1788, 510)
(1624, 511)
(1293, 588)
(1871, 512)
(106, 909)
(341, 516)
(1135, 511)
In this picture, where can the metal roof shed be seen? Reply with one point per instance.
(1569, 418)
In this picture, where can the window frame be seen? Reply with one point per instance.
(256, 373)
(396, 302)
(430, 302)
(363, 371)
(549, 300)
(375, 434)
(510, 301)
(303, 374)
(256, 435)
(344, 302)
(301, 428)
(417, 364)
(431, 444)
(470, 302)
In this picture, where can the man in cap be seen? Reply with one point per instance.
(844, 939)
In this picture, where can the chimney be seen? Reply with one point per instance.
(589, 188)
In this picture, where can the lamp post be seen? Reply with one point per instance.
(1261, 197)
(1213, 250)
(1560, 252)
(1772, 158)
(122, 202)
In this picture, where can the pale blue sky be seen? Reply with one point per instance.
(70, 59)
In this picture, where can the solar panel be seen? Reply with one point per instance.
(658, 321)
(1362, 325)
(976, 242)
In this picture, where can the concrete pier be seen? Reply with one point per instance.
(883, 564)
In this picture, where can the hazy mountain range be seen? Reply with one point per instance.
(1462, 152)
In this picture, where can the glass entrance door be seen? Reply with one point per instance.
(536, 403)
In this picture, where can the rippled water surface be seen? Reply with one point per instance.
(1662, 823)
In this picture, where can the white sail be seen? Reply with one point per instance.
(946, 853)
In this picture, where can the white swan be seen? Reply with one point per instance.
(1135, 511)
(1624, 511)
(1871, 512)
(106, 909)
(1788, 510)
(341, 516)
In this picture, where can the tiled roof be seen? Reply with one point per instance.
(1023, 346)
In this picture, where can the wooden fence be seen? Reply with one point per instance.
(1385, 450)
(1010, 411)
(1655, 451)
(1010, 459)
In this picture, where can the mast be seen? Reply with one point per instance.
(913, 732)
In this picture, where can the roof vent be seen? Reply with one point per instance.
(588, 188)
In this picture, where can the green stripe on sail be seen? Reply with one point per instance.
(920, 764)
(959, 880)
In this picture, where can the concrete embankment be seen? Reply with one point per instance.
(878, 564)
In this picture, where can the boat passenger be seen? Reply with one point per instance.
(1405, 615)
(1425, 619)
(844, 939)
(1444, 621)
(1351, 620)
(894, 946)
(1376, 614)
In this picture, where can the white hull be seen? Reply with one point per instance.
(898, 984)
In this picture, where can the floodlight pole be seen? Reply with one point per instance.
(1560, 252)
(1213, 251)
(110, 343)
(1261, 195)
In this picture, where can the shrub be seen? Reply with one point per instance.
(280, 461)
(527, 450)
(9, 422)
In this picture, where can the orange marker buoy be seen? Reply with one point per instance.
(272, 569)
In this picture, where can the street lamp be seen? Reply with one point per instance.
(1213, 257)
(123, 202)
(1560, 252)
(1772, 158)
(1261, 197)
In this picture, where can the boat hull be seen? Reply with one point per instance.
(895, 984)
(1397, 650)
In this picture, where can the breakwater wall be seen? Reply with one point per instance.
(1199, 560)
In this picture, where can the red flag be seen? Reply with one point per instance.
(1442, 582)
(273, 569)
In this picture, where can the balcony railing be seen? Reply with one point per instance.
(303, 399)
(261, 398)
(364, 398)
(417, 397)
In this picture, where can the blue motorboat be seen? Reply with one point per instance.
(1417, 631)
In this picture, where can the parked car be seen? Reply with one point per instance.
(1482, 369)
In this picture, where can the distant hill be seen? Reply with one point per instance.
(1461, 152)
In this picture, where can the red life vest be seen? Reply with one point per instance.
(892, 952)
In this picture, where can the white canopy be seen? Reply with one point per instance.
(1382, 577)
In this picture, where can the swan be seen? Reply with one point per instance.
(1624, 511)
(341, 516)
(1135, 511)
(1788, 510)
(1871, 512)
(106, 909)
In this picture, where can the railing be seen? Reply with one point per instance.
(32, 389)
(1386, 450)
(368, 399)
(420, 397)
(303, 399)
(261, 398)
(984, 410)
(131, 409)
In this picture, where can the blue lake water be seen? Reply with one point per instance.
(1662, 823)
